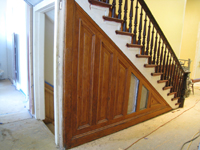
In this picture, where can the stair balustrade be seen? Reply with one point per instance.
(147, 33)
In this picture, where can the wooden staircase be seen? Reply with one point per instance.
(154, 46)
(117, 73)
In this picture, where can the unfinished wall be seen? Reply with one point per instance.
(3, 52)
(170, 17)
(49, 42)
(190, 32)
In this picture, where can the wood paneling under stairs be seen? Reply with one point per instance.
(49, 104)
(97, 79)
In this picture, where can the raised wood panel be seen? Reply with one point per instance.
(85, 75)
(49, 104)
(121, 88)
(106, 72)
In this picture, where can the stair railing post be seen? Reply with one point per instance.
(135, 24)
(113, 8)
(120, 9)
(131, 17)
(182, 97)
(124, 28)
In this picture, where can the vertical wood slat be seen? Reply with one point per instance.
(167, 65)
(113, 9)
(172, 73)
(125, 17)
(163, 68)
(140, 28)
(151, 48)
(169, 71)
(120, 9)
(148, 37)
(178, 77)
(107, 1)
(161, 58)
(144, 34)
(158, 56)
(155, 49)
(131, 17)
(135, 23)
(174, 77)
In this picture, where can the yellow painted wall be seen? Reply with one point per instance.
(170, 16)
(190, 31)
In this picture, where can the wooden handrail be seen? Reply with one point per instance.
(154, 22)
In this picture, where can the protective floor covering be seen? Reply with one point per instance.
(11, 100)
(29, 134)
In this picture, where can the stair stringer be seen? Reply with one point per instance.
(109, 27)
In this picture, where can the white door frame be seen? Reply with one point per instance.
(38, 62)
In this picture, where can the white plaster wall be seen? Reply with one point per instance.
(16, 23)
(49, 45)
(3, 52)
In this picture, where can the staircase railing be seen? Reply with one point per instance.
(138, 20)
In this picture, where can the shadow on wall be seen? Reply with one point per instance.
(16, 57)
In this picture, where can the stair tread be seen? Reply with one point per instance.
(172, 93)
(156, 74)
(142, 56)
(133, 45)
(168, 87)
(99, 3)
(124, 33)
(162, 81)
(112, 19)
(150, 65)
(173, 99)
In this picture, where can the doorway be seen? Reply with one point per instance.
(48, 69)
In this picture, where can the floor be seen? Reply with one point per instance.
(18, 130)
(166, 132)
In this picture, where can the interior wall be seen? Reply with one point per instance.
(190, 33)
(16, 23)
(170, 17)
(3, 52)
(49, 45)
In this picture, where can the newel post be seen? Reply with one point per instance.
(182, 98)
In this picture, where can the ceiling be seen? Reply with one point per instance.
(33, 2)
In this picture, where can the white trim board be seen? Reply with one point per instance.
(38, 63)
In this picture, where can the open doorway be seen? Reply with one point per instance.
(48, 69)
